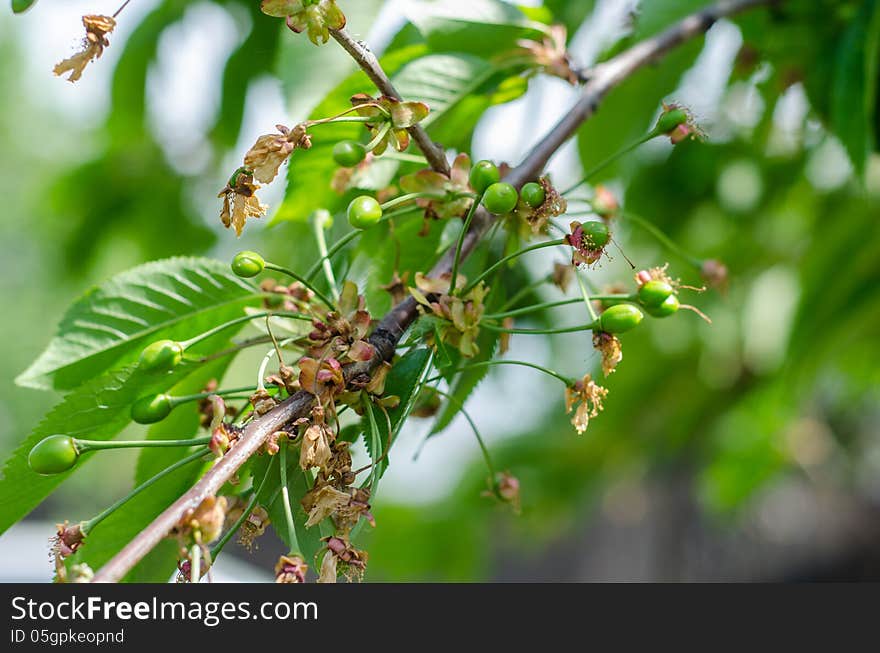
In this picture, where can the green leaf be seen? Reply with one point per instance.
(110, 325)
(20, 6)
(570, 14)
(98, 410)
(478, 26)
(403, 381)
(854, 92)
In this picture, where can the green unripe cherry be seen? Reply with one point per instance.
(596, 234)
(670, 119)
(161, 356)
(620, 318)
(151, 409)
(655, 292)
(364, 212)
(533, 194)
(247, 264)
(500, 198)
(53, 455)
(669, 306)
(483, 175)
(349, 153)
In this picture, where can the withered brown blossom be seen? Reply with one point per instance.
(323, 379)
(66, 541)
(97, 29)
(315, 449)
(587, 395)
(240, 201)
(291, 569)
(392, 116)
(271, 150)
(554, 205)
(341, 334)
(453, 193)
(204, 524)
(551, 54)
(315, 17)
(460, 315)
(608, 346)
(584, 252)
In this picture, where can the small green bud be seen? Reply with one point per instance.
(654, 292)
(248, 264)
(161, 356)
(53, 455)
(620, 318)
(596, 234)
(151, 409)
(669, 306)
(364, 212)
(483, 175)
(533, 194)
(500, 198)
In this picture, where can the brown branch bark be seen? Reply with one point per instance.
(387, 334)
(435, 154)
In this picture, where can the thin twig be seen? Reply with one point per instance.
(385, 337)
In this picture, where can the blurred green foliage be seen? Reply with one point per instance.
(785, 381)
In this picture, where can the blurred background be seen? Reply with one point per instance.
(744, 450)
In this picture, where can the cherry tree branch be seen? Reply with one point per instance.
(387, 334)
(435, 154)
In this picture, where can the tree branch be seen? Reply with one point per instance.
(387, 334)
(370, 65)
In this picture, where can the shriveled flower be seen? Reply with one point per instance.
(291, 569)
(588, 396)
(584, 252)
(253, 527)
(329, 572)
(68, 539)
(551, 54)
(323, 502)
(554, 205)
(350, 562)
(271, 150)
(341, 334)
(204, 524)
(240, 201)
(609, 346)
(97, 29)
(323, 379)
(392, 116)
(563, 274)
(315, 17)
(223, 436)
(454, 195)
(460, 315)
(315, 448)
(357, 507)
(262, 401)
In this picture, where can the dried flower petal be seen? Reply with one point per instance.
(97, 29)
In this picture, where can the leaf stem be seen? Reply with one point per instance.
(296, 277)
(249, 508)
(320, 218)
(467, 223)
(510, 257)
(285, 499)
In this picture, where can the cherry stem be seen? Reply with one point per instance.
(607, 162)
(573, 329)
(510, 257)
(285, 498)
(87, 526)
(467, 224)
(212, 332)
(567, 381)
(380, 135)
(664, 240)
(182, 399)
(195, 556)
(586, 297)
(561, 302)
(249, 508)
(321, 216)
(85, 446)
(296, 277)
